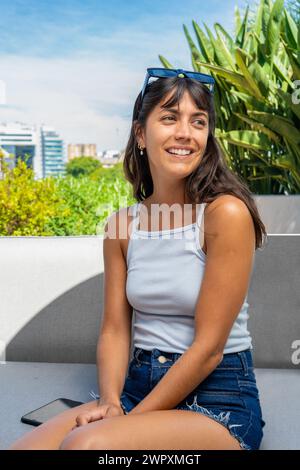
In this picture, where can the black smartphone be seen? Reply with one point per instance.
(45, 412)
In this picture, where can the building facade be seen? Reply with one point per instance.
(81, 150)
(17, 140)
(40, 147)
(52, 152)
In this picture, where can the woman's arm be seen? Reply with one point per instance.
(113, 347)
(230, 240)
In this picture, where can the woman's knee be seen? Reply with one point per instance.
(78, 439)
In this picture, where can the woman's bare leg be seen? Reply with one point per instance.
(51, 434)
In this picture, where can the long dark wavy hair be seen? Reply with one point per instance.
(212, 177)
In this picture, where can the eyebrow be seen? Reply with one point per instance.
(174, 110)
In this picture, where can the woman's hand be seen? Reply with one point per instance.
(103, 411)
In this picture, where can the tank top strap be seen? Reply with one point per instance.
(200, 214)
(200, 227)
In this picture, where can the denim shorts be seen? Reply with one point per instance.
(228, 395)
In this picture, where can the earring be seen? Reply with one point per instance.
(141, 149)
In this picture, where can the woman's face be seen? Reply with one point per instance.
(185, 126)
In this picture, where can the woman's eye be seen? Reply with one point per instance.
(202, 123)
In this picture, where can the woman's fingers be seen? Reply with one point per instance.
(89, 417)
(101, 412)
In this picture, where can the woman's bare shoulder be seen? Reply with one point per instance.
(226, 211)
(226, 204)
(119, 226)
(117, 223)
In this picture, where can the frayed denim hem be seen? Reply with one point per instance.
(222, 418)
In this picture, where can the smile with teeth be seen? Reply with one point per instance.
(179, 152)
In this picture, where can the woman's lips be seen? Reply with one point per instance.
(180, 157)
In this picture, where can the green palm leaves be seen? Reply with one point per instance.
(257, 95)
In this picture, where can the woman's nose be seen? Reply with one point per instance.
(182, 129)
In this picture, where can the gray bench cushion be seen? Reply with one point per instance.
(26, 386)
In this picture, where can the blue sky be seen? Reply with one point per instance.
(79, 64)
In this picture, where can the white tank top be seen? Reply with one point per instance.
(164, 274)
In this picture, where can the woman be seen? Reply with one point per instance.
(190, 384)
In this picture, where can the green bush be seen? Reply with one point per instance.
(59, 205)
(26, 205)
(82, 166)
(90, 201)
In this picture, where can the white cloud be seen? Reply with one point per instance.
(73, 95)
(89, 97)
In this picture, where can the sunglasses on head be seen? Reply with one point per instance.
(164, 73)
